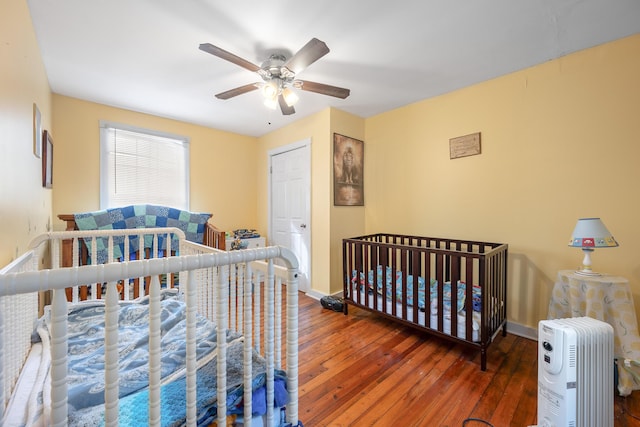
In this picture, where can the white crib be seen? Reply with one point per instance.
(238, 290)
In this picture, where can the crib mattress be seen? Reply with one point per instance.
(23, 408)
(367, 300)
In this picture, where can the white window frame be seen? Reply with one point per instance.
(105, 197)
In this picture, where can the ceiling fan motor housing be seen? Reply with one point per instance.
(273, 68)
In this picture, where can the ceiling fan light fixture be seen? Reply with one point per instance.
(270, 90)
(271, 103)
(290, 97)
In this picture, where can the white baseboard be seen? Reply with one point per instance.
(522, 330)
(315, 294)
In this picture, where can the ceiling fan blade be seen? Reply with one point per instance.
(286, 110)
(324, 89)
(310, 53)
(237, 91)
(228, 56)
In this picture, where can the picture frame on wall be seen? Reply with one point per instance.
(37, 131)
(47, 159)
(348, 171)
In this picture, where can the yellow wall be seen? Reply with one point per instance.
(25, 206)
(560, 141)
(346, 221)
(316, 128)
(329, 224)
(222, 177)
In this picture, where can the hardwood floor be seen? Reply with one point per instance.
(361, 370)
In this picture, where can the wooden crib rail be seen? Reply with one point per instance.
(382, 272)
(214, 237)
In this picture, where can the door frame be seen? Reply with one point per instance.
(281, 150)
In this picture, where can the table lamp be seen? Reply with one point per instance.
(590, 233)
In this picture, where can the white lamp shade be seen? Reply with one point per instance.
(591, 233)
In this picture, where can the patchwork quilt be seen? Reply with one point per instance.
(140, 216)
(376, 284)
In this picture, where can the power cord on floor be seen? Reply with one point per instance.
(464, 423)
(625, 408)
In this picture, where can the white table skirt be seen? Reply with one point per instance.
(606, 298)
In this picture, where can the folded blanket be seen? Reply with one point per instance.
(140, 216)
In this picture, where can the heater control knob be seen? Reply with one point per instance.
(547, 346)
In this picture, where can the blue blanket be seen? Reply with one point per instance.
(86, 365)
(140, 216)
(376, 284)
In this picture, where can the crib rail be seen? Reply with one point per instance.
(381, 272)
(206, 278)
(73, 249)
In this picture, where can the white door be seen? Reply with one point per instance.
(290, 204)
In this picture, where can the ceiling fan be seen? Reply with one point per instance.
(279, 75)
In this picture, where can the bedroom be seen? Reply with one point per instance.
(559, 142)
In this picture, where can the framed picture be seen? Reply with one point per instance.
(47, 159)
(37, 131)
(348, 168)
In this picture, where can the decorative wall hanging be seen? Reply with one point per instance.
(47, 160)
(348, 168)
(37, 131)
(463, 146)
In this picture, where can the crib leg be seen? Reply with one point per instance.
(483, 359)
(345, 307)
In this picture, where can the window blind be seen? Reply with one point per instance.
(140, 166)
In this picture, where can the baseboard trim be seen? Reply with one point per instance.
(315, 294)
(522, 330)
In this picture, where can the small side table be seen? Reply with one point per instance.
(609, 299)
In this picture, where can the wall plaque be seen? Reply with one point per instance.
(463, 146)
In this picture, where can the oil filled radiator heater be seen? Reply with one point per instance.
(575, 373)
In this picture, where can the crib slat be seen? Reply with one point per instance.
(112, 388)
(191, 348)
(222, 298)
(256, 315)
(154, 351)
(278, 337)
(248, 340)
(269, 330)
(59, 350)
(292, 346)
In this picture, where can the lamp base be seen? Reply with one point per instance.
(586, 264)
(585, 272)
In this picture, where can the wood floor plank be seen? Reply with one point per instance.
(362, 370)
(387, 384)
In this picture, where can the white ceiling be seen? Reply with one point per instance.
(143, 55)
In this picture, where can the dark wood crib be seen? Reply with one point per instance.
(424, 282)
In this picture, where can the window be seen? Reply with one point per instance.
(138, 166)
